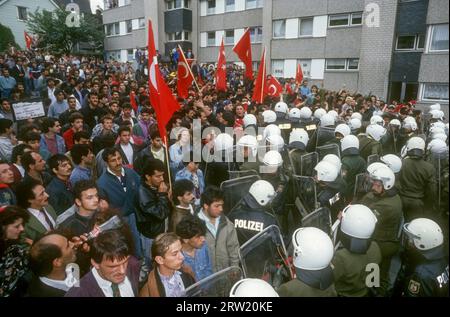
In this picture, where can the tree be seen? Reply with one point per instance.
(55, 35)
(6, 38)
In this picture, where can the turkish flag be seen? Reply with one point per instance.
(288, 88)
(243, 49)
(28, 40)
(260, 90)
(299, 74)
(221, 72)
(274, 87)
(185, 77)
(161, 97)
(133, 102)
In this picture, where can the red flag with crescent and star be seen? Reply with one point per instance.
(299, 74)
(184, 75)
(221, 72)
(161, 97)
(243, 49)
(260, 89)
(28, 40)
(275, 89)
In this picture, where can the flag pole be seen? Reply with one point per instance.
(166, 145)
(263, 79)
(188, 67)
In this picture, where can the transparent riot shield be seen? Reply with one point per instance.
(240, 174)
(235, 189)
(217, 285)
(305, 194)
(425, 119)
(373, 159)
(320, 218)
(324, 134)
(440, 163)
(362, 186)
(334, 233)
(307, 164)
(264, 256)
(324, 150)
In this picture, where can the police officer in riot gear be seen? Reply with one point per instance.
(369, 144)
(356, 252)
(313, 252)
(352, 163)
(298, 139)
(424, 271)
(246, 153)
(320, 138)
(252, 287)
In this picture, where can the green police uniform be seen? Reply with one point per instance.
(297, 288)
(352, 165)
(349, 270)
(418, 186)
(368, 146)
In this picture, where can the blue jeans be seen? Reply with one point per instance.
(131, 221)
(146, 244)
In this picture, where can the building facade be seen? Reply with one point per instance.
(395, 49)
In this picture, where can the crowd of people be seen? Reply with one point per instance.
(378, 169)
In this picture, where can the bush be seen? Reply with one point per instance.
(6, 38)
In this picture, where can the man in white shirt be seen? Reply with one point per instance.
(126, 148)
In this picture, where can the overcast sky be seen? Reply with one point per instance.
(95, 3)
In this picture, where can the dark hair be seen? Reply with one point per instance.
(155, 134)
(48, 123)
(92, 93)
(9, 215)
(24, 192)
(110, 245)
(122, 129)
(32, 136)
(228, 116)
(42, 255)
(27, 160)
(78, 151)
(127, 105)
(210, 195)
(5, 124)
(152, 166)
(190, 227)
(106, 117)
(107, 152)
(18, 150)
(82, 186)
(77, 136)
(146, 110)
(55, 160)
(75, 116)
(181, 187)
(162, 243)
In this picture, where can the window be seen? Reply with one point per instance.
(279, 28)
(278, 68)
(306, 67)
(112, 29)
(421, 42)
(142, 23)
(211, 6)
(229, 37)
(177, 4)
(22, 13)
(353, 64)
(256, 34)
(211, 38)
(255, 66)
(129, 26)
(335, 64)
(253, 4)
(229, 5)
(178, 36)
(130, 54)
(338, 20)
(439, 38)
(306, 27)
(407, 42)
(356, 18)
(435, 92)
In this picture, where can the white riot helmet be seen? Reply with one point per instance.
(269, 116)
(395, 122)
(424, 233)
(410, 123)
(249, 141)
(281, 107)
(437, 146)
(276, 142)
(319, 113)
(356, 115)
(393, 162)
(415, 146)
(375, 131)
(327, 120)
(334, 114)
(438, 124)
(294, 114)
(436, 106)
(326, 171)
(348, 142)
(378, 113)
(376, 120)
(333, 159)
(358, 221)
(273, 159)
(343, 129)
(440, 136)
(299, 135)
(305, 113)
(372, 167)
(262, 191)
(223, 142)
(385, 175)
(270, 130)
(249, 119)
(437, 114)
(355, 124)
(313, 249)
(252, 287)
(436, 130)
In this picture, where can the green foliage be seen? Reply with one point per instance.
(6, 38)
(54, 34)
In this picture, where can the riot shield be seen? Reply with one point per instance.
(235, 189)
(373, 159)
(305, 194)
(324, 150)
(320, 218)
(362, 186)
(425, 119)
(440, 163)
(240, 174)
(264, 256)
(217, 285)
(324, 134)
(307, 164)
(334, 233)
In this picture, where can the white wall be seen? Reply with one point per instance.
(203, 39)
(239, 5)
(219, 36)
(220, 6)
(292, 28)
(320, 25)
(203, 8)
(290, 68)
(317, 68)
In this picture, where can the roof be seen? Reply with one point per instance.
(2, 2)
